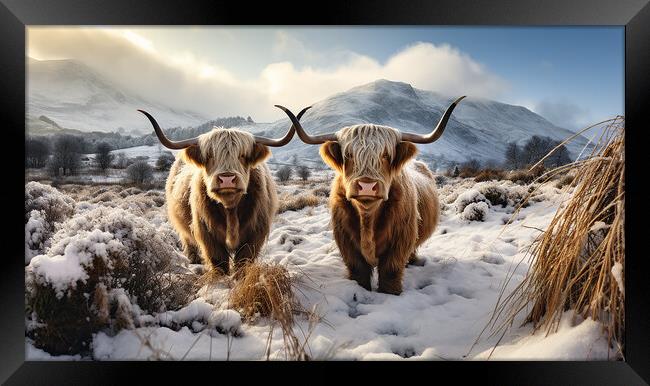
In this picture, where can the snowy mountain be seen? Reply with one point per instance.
(74, 96)
(479, 128)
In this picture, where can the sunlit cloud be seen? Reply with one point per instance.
(185, 80)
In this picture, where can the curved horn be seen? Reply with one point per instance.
(284, 140)
(176, 145)
(437, 132)
(306, 138)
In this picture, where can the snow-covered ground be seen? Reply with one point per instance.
(445, 304)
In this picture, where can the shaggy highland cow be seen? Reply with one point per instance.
(221, 198)
(384, 204)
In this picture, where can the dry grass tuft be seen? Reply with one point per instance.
(578, 261)
(525, 177)
(289, 202)
(489, 175)
(265, 290)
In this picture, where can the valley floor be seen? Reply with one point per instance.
(445, 304)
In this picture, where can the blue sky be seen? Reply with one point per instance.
(570, 75)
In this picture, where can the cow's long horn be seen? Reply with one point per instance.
(306, 138)
(176, 145)
(284, 140)
(437, 132)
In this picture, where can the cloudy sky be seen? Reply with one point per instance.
(570, 75)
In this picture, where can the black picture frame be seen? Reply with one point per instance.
(15, 15)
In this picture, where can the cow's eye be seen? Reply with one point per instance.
(386, 157)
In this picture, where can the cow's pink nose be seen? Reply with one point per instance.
(367, 188)
(227, 181)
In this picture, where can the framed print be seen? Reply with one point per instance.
(453, 185)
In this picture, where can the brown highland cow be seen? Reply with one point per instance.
(221, 198)
(384, 204)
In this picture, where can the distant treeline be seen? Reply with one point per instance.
(88, 142)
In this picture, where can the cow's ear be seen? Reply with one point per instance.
(193, 155)
(330, 151)
(403, 152)
(260, 154)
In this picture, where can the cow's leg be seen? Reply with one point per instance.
(391, 269)
(246, 254)
(214, 252)
(190, 250)
(358, 269)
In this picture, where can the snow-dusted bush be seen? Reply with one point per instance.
(468, 197)
(45, 206)
(105, 266)
(475, 211)
(55, 205)
(496, 194)
(37, 232)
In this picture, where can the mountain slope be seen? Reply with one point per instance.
(76, 97)
(478, 128)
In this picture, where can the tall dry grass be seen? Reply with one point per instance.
(266, 290)
(577, 262)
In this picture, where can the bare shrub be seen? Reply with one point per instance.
(139, 173)
(304, 173)
(489, 175)
(165, 161)
(525, 176)
(470, 168)
(284, 173)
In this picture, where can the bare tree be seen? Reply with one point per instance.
(103, 156)
(37, 152)
(304, 173)
(284, 173)
(139, 173)
(513, 156)
(559, 157)
(470, 167)
(66, 156)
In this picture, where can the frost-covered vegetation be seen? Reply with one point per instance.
(106, 279)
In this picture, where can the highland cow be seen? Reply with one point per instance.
(221, 198)
(384, 203)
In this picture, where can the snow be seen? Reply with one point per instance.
(582, 339)
(63, 270)
(441, 312)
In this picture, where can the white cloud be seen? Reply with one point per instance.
(184, 80)
(564, 113)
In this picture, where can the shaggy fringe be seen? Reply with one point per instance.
(366, 144)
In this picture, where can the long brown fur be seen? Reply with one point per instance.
(388, 236)
(211, 232)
